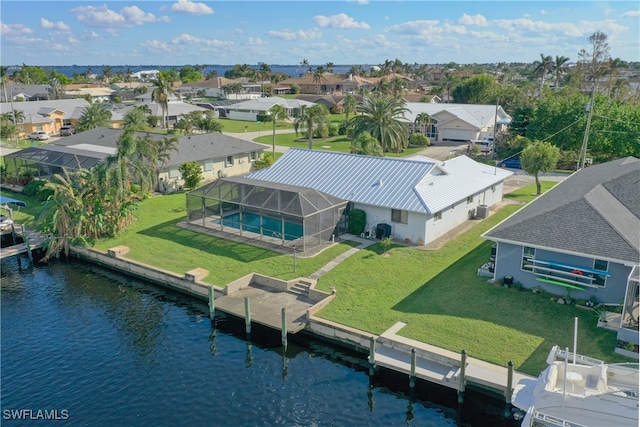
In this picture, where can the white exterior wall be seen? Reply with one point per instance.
(243, 115)
(413, 230)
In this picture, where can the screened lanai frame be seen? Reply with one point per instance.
(44, 161)
(280, 214)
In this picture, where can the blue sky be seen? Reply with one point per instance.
(287, 32)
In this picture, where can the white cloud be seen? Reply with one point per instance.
(255, 41)
(9, 30)
(60, 26)
(185, 39)
(423, 27)
(631, 14)
(473, 20)
(522, 25)
(103, 17)
(341, 20)
(311, 34)
(187, 6)
(156, 46)
(457, 29)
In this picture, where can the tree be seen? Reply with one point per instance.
(366, 144)
(349, 105)
(189, 74)
(382, 116)
(318, 74)
(539, 157)
(277, 115)
(162, 92)
(136, 119)
(423, 119)
(559, 68)
(56, 91)
(263, 161)
(208, 123)
(481, 89)
(94, 116)
(191, 173)
(312, 118)
(542, 67)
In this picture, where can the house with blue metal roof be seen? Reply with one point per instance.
(581, 239)
(419, 199)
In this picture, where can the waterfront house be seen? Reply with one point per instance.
(217, 154)
(417, 200)
(254, 109)
(580, 240)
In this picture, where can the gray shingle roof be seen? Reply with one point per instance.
(595, 212)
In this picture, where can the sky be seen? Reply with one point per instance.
(342, 32)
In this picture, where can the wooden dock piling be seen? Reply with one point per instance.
(284, 328)
(247, 315)
(412, 374)
(212, 303)
(509, 390)
(461, 386)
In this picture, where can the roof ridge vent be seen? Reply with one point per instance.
(380, 182)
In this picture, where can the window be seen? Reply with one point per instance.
(600, 265)
(229, 161)
(469, 200)
(528, 254)
(399, 216)
(253, 156)
(208, 165)
(437, 216)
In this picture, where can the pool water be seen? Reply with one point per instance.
(271, 227)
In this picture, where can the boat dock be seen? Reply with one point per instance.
(441, 366)
(31, 239)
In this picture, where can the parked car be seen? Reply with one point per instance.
(513, 163)
(5, 222)
(40, 135)
(67, 131)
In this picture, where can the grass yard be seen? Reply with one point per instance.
(437, 293)
(156, 240)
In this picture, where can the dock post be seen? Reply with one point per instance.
(412, 375)
(372, 356)
(247, 315)
(463, 365)
(284, 327)
(507, 393)
(26, 241)
(212, 303)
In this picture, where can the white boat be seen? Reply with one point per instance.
(587, 393)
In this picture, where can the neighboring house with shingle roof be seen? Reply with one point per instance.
(217, 154)
(98, 93)
(308, 83)
(253, 109)
(582, 237)
(20, 92)
(420, 199)
(47, 116)
(459, 122)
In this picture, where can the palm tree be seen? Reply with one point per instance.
(209, 124)
(381, 117)
(56, 91)
(398, 86)
(136, 119)
(330, 67)
(423, 119)
(317, 76)
(163, 90)
(107, 74)
(350, 104)
(94, 116)
(312, 118)
(542, 67)
(366, 144)
(278, 114)
(559, 68)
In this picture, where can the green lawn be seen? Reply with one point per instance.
(437, 293)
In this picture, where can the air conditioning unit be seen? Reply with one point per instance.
(482, 211)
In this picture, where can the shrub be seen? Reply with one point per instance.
(191, 174)
(419, 140)
(357, 221)
(35, 188)
(334, 130)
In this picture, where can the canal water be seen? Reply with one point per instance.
(82, 345)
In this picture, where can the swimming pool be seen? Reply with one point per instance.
(271, 227)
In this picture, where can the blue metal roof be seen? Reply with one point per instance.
(417, 184)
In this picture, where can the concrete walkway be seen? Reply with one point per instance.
(337, 260)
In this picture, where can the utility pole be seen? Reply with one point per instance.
(585, 140)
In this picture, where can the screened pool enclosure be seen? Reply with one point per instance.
(278, 214)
